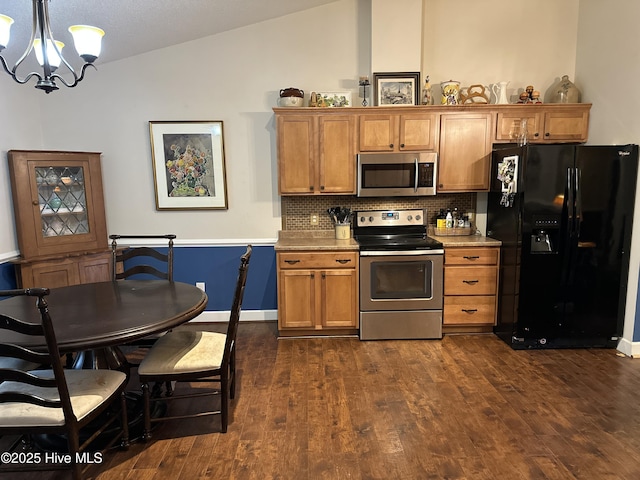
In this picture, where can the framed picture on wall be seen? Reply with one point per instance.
(396, 88)
(188, 165)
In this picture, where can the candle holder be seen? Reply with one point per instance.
(364, 83)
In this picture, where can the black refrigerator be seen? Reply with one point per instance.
(564, 214)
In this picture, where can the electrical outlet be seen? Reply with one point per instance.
(314, 219)
(201, 286)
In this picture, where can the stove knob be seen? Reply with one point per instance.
(418, 217)
(361, 219)
(371, 219)
(411, 218)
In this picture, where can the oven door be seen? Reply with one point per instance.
(401, 280)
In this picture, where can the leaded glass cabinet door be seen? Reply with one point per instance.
(58, 202)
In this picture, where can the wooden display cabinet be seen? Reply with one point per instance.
(60, 220)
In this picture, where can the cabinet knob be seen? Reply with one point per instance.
(536, 134)
(311, 187)
(324, 275)
(35, 202)
(343, 260)
(471, 257)
(402, 145)
(469, 310)
(546, 134)
(470, 282)
(291, 262)
(321, 187)
(391, 145)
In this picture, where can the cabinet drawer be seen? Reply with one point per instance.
(470, 280)
(317, 260)
(469, 310)
(471, 256)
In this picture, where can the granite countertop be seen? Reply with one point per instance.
(313, 240)
(466, 241)
(325, 240)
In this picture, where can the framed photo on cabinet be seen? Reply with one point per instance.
(396, 88)
(188, 165)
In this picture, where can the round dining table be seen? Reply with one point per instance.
(100, 317)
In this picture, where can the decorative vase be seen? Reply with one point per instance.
(450, 92)
(564, 92)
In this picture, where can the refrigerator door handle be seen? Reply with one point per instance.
(570, 204)
(578, 216)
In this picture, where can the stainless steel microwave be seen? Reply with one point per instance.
(397, 174)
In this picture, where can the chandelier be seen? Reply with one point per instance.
(48, 51)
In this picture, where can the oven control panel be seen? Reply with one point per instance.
(390, 218)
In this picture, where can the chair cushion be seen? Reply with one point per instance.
(182, 351)
(88, 390)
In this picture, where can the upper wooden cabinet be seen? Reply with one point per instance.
(317, 146)
(58, 202)
(403, 132)
(316, 153)
(547, 123)
(465, 151)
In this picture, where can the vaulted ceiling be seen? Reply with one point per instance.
(136, 26)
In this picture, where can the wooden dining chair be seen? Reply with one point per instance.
(53, 400)
(142, 260)
(196, 356)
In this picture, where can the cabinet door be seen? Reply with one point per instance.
(418, 132)
(58, 202)
(296, 299)
(337, 158)
(296, 155)
(465, 152)
(571, 125)
(50, 275)
(378, 133)
(339, 304)
(95, 268)
(508, 125)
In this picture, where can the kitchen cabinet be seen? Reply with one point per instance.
(555, 123)
(60, 221)
(465, 152)
(470, 286)
(403, 132)
(317, 292)
(316, 154)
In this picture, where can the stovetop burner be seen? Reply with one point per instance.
(393, 230)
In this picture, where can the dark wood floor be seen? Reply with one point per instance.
(466, 407)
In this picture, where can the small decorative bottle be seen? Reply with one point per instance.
(427, 99)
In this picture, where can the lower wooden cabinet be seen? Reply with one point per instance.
(470, 286)
(61, 271)
(317, 292)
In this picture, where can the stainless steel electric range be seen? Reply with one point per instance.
(401, 275)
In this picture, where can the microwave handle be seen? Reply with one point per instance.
(415, 183)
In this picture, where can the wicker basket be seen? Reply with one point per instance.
(453, 231)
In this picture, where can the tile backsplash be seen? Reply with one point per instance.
(296, 210)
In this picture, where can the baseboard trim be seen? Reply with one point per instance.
(630, 349)
(245, 316)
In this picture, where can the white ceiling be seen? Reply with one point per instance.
(136, 26)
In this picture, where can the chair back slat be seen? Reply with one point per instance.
(51, 358)
(145, 254)
(236, 308)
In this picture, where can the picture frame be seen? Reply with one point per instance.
(188, 165)
(396, 88)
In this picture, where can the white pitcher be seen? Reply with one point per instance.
(500, 91)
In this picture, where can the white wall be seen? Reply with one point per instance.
(608, 65)
(20, 128)
(524, 42)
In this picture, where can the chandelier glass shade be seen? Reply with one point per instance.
(87, 40)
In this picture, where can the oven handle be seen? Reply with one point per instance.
(385, 253)
(415, 183)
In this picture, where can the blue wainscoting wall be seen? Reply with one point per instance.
(217, 267)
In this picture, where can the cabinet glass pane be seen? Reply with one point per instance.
(62, 200)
